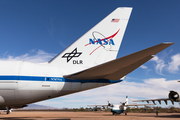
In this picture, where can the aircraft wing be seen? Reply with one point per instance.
(97, 105)
(153, 100)
(116, 69)
(138, 104)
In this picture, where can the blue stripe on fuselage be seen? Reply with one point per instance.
(55, 79)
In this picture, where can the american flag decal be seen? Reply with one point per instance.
(115, 20)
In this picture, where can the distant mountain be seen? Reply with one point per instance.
(39, 107)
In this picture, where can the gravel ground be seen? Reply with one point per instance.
(50, 115)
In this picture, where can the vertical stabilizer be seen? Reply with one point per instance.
(100, 44)
(126, 100)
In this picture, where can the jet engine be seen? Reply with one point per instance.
(174, 96)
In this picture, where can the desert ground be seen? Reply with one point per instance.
(54, 115)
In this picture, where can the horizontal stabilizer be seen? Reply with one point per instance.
(116, 69)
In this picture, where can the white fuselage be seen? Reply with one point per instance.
(23, 83)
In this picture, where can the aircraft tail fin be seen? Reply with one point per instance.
(100, 44)
(126, 100)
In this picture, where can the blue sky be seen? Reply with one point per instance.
(37, 30)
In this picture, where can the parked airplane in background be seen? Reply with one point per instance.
(90, 62)
(119, 108)
(173, 97)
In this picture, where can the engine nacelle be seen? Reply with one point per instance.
(174, 96)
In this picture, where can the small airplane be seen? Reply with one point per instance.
(98, 107)
(173, 96)
(119, 108)
(88, 63)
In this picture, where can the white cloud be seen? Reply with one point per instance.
(163, 65)
(35, 56)
(143, 67)
(174, 64)
(160, 64)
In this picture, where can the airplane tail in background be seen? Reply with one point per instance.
(126, 100)
(100, 44)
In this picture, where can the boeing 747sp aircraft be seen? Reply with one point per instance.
(89, 62)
